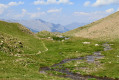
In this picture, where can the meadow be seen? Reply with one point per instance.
(23, 54)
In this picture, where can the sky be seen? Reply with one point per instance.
(58, 11)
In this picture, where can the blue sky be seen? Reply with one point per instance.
(58, 11)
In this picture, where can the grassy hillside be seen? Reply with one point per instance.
(23, 35)
(106, 28)
(23, 54)
(45, 34)
(19, 50)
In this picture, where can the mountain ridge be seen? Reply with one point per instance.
(106, 28)
(38, 25)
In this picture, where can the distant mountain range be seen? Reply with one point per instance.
(38, 25)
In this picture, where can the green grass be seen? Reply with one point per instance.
(45, 34)
(27, 64)
(30, 64)
(92, 79)
(108, 66)
(15, 30)
(111, 62)
(69, 49)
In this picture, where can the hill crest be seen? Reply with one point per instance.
(107, 28)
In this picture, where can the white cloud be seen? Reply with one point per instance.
(105, 2)
(36, 15)
(24, 12)
(2, 8)
(87, 3)
(28, 14)
(89, 16)
(54, 10)
(51, 1)
(80, 13)
(5, 6)
(39, 2)
(43, 2)
(93, 15)
(15, 3)
(110, 10)
(38, 8)
(65, 1)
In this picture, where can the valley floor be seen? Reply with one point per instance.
(30, 67)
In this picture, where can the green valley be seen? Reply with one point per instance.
(25, 55)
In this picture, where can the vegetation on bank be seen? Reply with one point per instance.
(22, 54)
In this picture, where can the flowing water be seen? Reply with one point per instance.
(76, 76)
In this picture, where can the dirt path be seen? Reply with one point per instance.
(46, 49)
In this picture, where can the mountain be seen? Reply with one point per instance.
(38, 25)
(74, 25)
(106, 28)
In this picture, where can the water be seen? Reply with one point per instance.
(75, 76)
(107, 47)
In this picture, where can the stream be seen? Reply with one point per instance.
(76, 76)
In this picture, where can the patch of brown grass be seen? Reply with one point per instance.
(106, 28)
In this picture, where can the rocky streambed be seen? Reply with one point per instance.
(76, 76)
